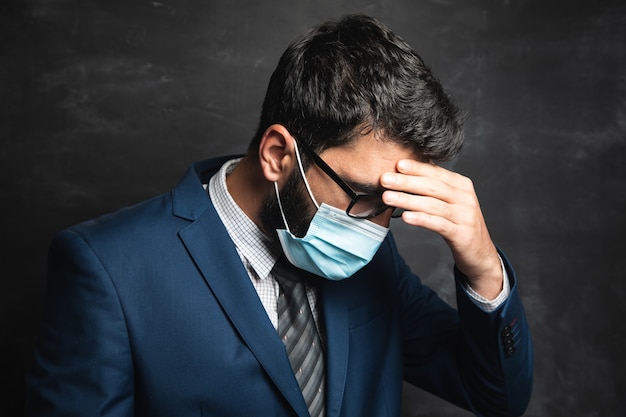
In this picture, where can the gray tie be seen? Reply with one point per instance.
(296, 327)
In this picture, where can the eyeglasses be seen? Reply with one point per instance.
(362, 205)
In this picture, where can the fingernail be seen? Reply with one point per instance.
(390, 197)
(388, 178)
(404, 164)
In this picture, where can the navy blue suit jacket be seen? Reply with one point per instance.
(150, 312)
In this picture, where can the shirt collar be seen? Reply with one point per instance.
(253, 244)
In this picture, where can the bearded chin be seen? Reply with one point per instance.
(297, 206)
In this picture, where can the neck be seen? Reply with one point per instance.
(248, 187)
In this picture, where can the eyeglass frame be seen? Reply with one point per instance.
(354, 195)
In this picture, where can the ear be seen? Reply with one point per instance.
(277, 154)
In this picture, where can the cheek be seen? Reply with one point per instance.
(325, 190)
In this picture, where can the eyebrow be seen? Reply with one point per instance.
(353, 185)
(364, 188)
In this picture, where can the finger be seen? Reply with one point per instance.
(425, 169)
(454, 213)
(418, 185)
(431, 180)
(436, 224)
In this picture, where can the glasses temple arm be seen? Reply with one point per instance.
(328, 170)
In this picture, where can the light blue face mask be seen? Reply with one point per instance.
(336, 245)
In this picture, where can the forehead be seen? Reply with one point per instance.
(366, 158)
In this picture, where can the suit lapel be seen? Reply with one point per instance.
(215, 255)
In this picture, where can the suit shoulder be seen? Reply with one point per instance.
(126, 220)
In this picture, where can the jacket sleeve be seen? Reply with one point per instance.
(477, 360)
(82, 363)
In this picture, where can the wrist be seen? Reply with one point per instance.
(489, 283)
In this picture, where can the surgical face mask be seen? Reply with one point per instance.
(336, 245)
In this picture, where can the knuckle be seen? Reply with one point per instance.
(467, 183)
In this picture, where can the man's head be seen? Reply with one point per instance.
(359, 96)
(353, 76)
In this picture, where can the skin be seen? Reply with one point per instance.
(436, 199)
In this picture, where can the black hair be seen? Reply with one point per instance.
(353, 76)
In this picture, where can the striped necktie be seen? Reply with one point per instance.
(297, 329)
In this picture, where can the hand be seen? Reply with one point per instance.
(445, 202)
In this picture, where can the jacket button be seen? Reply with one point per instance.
(508, 351)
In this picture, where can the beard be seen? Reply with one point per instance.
(297, 207)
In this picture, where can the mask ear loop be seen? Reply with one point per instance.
(306, 183)
(280, 206)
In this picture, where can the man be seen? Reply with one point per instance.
(182, 305)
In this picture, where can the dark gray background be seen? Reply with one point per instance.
(106, 102)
